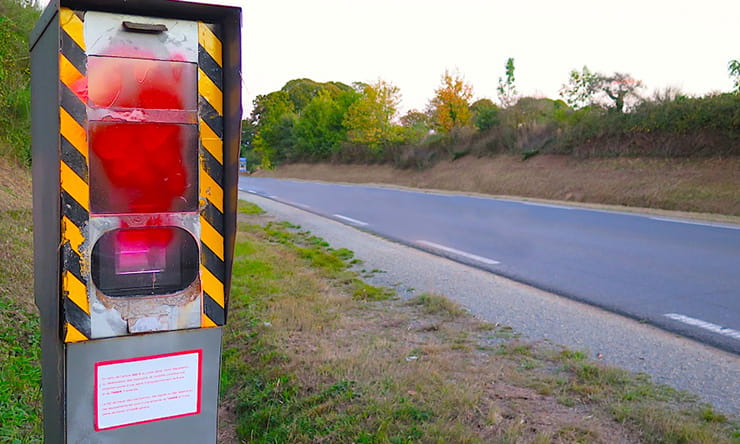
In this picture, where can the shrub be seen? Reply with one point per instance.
(16, 21)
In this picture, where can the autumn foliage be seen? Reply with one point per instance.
(599, 115)
(450, 107)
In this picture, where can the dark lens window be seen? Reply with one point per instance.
(144, 261)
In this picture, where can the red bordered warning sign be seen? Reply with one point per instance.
(145, 389)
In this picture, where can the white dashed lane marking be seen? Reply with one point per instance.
(559, 207)
(350, 220)
(714, 328)
(475, 257)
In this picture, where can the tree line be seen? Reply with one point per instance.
(596, 115)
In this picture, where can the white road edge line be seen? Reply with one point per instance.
(559, 207)
(703, 224)
(350, 220)
(474, 257)
(296, 204)
(714, 328)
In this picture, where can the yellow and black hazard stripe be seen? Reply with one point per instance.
(211, 125)
(73, 165)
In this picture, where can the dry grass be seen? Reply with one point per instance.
(16, 234)
(695, 185)
(15, 186)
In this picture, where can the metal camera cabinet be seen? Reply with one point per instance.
(136, 115)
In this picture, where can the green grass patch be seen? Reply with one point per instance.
(245, 207)
(367, 292)
(434, 304)
(333, 264)
(20, 375)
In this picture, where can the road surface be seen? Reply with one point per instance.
(680, 275)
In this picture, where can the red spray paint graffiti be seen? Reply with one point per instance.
(139, 166)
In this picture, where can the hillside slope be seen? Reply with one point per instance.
(696, 185)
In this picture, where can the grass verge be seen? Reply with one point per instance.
(313, 354)
(20, 372)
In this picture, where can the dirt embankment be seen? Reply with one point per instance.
(692, 185)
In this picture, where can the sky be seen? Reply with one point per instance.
(683, 44)
(410, 43)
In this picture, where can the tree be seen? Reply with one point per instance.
(506, 88)
(485, 114)
(369, 120)
(273, 119)
(450, 107)
(415, 118)
(304, 119)
(301, 91)
(586, 88)
(581, 88)
(247, 136)
(619, 87)
(268, 108)
(415, 126)
(733, 67)
(320, 127)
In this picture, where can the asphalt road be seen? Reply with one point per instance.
(679, 275)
